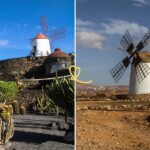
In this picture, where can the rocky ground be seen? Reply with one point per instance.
(124, 105)
(39, 132)
(112, 130)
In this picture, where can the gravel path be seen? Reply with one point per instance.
(33, 132)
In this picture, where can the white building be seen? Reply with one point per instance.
(140, 76)
(40, 46)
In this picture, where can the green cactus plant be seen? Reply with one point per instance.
(10, 107)
(53, 108)
(61, 91)
(22, 110)
(6, 124)
(42, 104)
(15, 106)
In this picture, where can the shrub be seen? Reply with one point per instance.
(8, 91)
(61, 91)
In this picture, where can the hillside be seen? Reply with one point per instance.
(97, 91)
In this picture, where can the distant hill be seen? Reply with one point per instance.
(118, 89)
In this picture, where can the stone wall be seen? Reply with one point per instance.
(28, 97)
(25, 67)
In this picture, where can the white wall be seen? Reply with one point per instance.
(42, 47)
(139, 88)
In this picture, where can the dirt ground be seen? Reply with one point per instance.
(112, 130)
(32, 132)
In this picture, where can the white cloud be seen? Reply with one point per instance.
(86, 36)
(82, 23)
(116, 26)
(92, 35)
(85, 25)
(89, 39)
(3, 42)
(140, 3)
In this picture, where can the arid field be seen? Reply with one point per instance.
(112, 130)
(108, 119)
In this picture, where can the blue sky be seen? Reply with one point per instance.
(20, 21)
(100, 26)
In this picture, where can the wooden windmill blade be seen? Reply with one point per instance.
(53, 34)
(119, 69)
(142, 71)
(57, 34)
(127, 42)
(44, 24)
(145, 40)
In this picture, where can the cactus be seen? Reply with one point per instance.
(22, 110)
(10, 107)
(53, 108)
(61, 91)
(6, 124)
(42, 104)
(15, 105)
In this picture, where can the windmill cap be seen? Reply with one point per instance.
(40, 36)
(144, 56)
(59, 53)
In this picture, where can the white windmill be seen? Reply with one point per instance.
(140, 67)
(42, 44)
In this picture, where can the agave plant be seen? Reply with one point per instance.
(61, 91)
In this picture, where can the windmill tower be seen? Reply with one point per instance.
(140, 64)
(42, 44)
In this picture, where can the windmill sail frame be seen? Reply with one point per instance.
(53, 35)
(142, 70)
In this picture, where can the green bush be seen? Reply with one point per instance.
(61, 91)
(8, 91)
